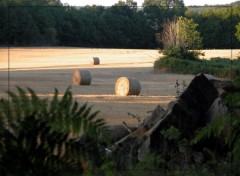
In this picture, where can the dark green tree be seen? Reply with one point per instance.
(3, 23)
(216, 25)
(158, 11)
(164, 3)
(22, 31)
(238, 31)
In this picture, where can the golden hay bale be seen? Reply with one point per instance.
(127, 86)
(95, 61)
(81, 77)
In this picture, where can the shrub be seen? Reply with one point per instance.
(179, 53)
(41, 137)
(178, 37)
(174, 65)
(219, 67)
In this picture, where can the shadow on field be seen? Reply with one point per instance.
(156, 88)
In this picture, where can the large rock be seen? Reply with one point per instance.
(218, 83)
(157, 114)
(187, 113)
(217, 109)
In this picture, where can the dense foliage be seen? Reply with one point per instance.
(224, 132)
(123, 25)
(220, 67)
(238, 31)
(42, 137)
(216, 25)
(27, 23)
(180, 39)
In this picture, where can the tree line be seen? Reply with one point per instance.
(123, 25)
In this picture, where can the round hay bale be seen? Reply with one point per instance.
(81, 77)
(127, 86)
(95, 61)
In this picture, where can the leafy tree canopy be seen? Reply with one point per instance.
(164, 3)
(238, 31)
(179, 36)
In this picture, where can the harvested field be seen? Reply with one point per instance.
(44, 69)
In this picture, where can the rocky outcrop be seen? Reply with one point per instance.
(199, 104)
(187, 113)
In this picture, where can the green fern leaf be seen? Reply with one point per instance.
(54, 102)
(43, 133)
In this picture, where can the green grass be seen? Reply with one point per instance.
(220, 67)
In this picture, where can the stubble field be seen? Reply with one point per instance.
(44, 69)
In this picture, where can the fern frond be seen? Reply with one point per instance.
(35, 101)
(4, 110)
(93, 115)
(74, 108)
(215, 128)
(14, 108)
(42, 132)
(54, 103)
(24, 101)
(86, 112)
